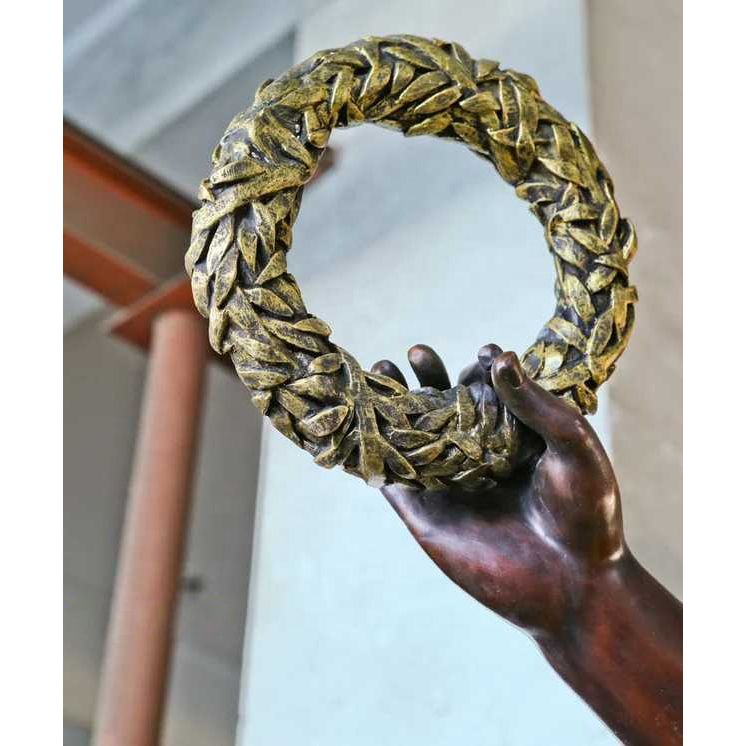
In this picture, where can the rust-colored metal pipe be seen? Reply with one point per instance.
(136, 663)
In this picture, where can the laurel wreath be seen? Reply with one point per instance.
(314, 392)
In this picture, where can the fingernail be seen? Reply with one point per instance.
(417, 351)
(511, 373)
(487, 354)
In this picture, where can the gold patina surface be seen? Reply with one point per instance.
(313, 391)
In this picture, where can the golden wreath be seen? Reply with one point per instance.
(314, 392)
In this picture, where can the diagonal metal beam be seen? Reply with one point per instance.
(120, 282)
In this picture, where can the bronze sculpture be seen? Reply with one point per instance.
(316, 393)
(500, 479)
(546, 551)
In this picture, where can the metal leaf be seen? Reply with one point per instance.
(569, 252)
(320, 387)
(303, 97)
(410, 438)
(579, 297)
(275, 267)
(569, 332)
(411, 56)
(292, 403)
(386, 382)
(262, 400)
(578, 211)
(247, 241)
(225, 275)
(421, 86)
(329, 363)
(264, 353)
(288, 333)
(608, 223)
(588, 239)
(340, 92)
(325, 422)
(601, 333)
(428, 453)
(245, 168)
(261, 378)
(554, 356)
(374, 83)
(196, 250)
(285, 288)
(403, 74)
(600, 278)
(201, 290)
(465, 409)
(629, 245)
(218, 323)
(439, 101)
(563, 169)
(436, 419)
(314, 326)
(480, 103)
(615, 260)
(566, 378)
(429, 126)
(468, 445)
(267, 300)
(220, 243)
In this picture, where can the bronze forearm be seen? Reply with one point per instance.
(621, 651)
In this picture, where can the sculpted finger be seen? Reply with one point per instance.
(428, 367)
(479, 372)
(473, 373)
(563, 428)
(387, 368)
(486, 356)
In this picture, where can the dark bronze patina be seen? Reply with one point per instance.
(546, 551)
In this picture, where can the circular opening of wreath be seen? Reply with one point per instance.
(314, 392)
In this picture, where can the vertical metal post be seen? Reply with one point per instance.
(136, 662)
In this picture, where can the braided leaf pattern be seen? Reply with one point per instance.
(314, 392)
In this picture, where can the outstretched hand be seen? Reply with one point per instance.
(512, 547)
(546, 551)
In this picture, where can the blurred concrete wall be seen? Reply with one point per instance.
(635, 51)
(103, 381)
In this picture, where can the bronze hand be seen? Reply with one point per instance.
(546, 551)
